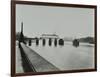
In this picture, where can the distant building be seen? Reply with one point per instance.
(49, 36)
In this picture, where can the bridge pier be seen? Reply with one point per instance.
(61, 42)
(43, 42)
(76, 42)
(50, 42)
(37, 41)
(30, 42)
(55, 41)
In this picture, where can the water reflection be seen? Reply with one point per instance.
(67, 57)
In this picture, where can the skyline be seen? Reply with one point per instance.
(65, 22)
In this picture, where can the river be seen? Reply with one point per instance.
(67, 57)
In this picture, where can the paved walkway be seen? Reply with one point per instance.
(38, 63)
(19, 68)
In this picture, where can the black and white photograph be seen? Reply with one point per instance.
(54, 38)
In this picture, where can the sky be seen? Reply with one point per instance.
(63, 21)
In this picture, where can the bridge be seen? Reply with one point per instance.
(50, 38)
(28, 60)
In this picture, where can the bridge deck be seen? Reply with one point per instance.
(35, 61)
(19, 68)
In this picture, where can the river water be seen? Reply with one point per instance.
(67, 57)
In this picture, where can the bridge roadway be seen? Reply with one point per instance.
(27, 60)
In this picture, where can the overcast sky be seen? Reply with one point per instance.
(63, 21)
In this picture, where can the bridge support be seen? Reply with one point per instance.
(37, 41)
(55, 41)
(44, 42)
(50, 42)
(30, 42)
(61, 42)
